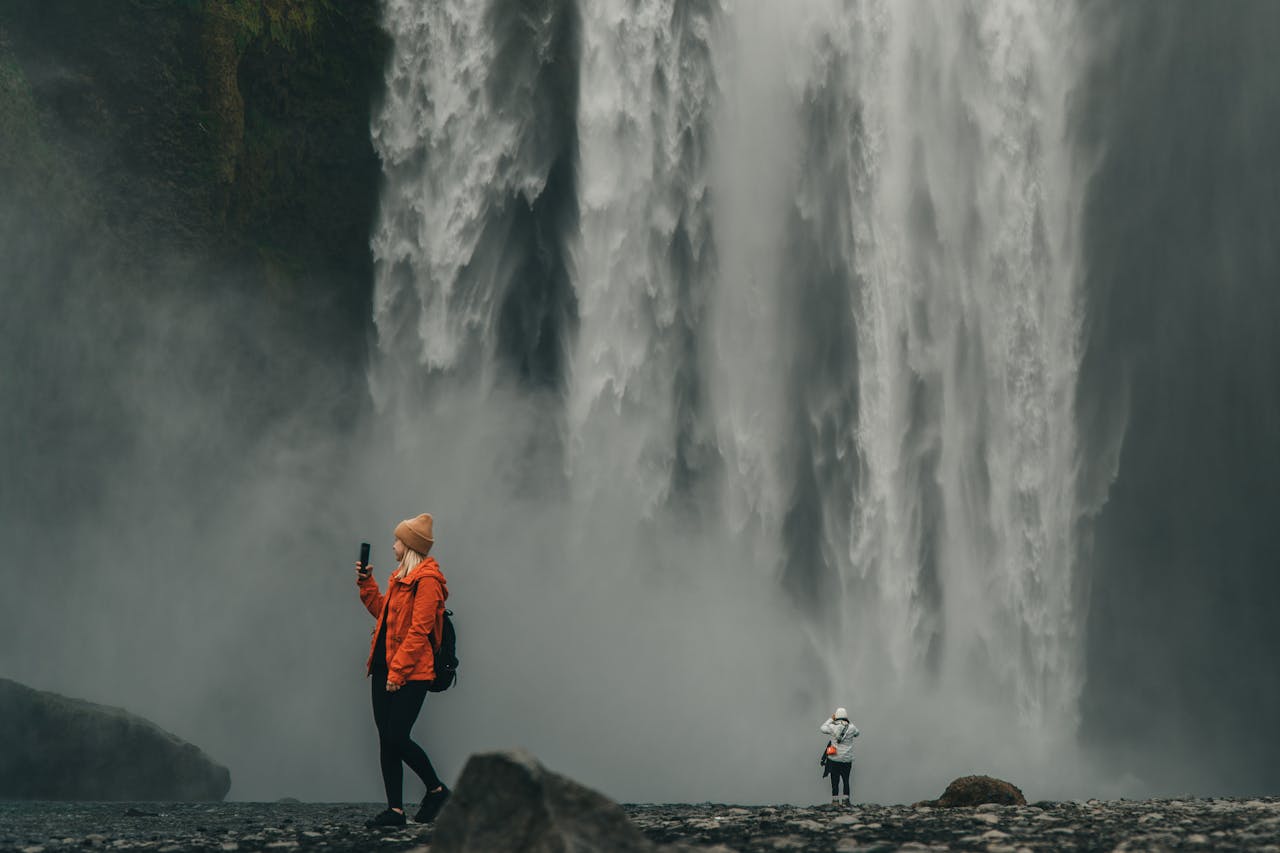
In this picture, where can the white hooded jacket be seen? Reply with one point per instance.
(842, 733)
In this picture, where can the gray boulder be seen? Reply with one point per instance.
(508, 801)
(55, 748)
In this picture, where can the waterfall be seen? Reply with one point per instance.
(932, 280)
(795, 287)
(644, 256)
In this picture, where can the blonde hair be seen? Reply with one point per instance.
(411, 559)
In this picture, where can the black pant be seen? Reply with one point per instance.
(839, 770)
(394, 715)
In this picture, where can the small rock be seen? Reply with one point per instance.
(987, 818)
(976, 790)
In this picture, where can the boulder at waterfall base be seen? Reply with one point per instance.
(55, 748)
(509, 801)
(977, 791)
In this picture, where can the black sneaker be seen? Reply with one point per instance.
(387, 817)
(432, 803)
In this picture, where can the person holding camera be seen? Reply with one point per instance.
(410, 617)
(839, 752)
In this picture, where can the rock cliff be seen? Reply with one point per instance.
(55, 748)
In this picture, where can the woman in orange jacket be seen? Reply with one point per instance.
(401, 662)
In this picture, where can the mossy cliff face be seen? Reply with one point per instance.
(234, 128)
(187, 189)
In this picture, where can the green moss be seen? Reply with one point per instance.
(30, 167)
(287, 23)
(22, 146)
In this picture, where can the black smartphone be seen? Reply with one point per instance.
(364, 555)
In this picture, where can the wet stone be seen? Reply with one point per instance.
(1127, 825)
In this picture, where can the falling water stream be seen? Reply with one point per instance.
(799, 283)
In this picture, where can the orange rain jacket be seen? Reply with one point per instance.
(414, 610)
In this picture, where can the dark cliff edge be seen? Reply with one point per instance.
(239, 128)
(187, 191)
(56, 748)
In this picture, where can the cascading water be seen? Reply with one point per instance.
(794, 291)
(934, 218)
(644, 254)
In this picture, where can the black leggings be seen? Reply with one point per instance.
(394, 714)
(839, 770)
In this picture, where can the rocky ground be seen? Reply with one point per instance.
(1218, 824)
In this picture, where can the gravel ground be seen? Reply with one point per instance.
(221, 827)
(1094, 825)
(1218, 824)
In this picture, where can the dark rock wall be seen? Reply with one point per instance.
(55, 748)
(227, 123)
(1179, 403)
(186, 195)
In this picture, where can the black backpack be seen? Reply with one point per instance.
(446, 663)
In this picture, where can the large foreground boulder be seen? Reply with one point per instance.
(55, 748)
(508, 801)
(977, 791)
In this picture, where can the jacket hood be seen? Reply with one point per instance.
(428, 568)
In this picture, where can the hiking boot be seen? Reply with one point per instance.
(432, 803)
(387, 817)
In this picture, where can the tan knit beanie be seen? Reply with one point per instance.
(416, 533)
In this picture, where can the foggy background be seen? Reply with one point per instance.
(189, 460)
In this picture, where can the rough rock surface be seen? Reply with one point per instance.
(1124, 825)
(977, 791)
(508, 801)
(56, 748)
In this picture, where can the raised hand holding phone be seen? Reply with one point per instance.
(363, 569)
